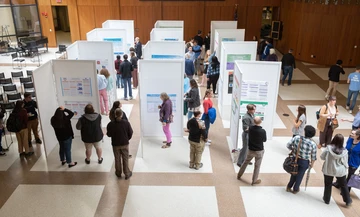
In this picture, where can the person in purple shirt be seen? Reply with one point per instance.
(166, 117)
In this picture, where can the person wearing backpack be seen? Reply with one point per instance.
(327, 114)
(22, 135)
(33, 121)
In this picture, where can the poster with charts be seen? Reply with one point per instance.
(153, 101)
(102, 64)
(76, 86)
(118, 45)
(231, 58)
(77, 107)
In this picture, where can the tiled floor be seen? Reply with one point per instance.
(301, 92)
(323, 73)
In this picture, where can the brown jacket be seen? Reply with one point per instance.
(322, 120)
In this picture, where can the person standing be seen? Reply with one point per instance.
(247, 122)
(327, 113)
(272, 56)
(335, 158)
(288, 66)
(207, 104)
(257, 137)
(354, 88)
(102, 84)
(334, 78)
(166, 118)
(307, 152)
(189, 66)
(134, 62)
(196, 129)
(353, 148)
(199, 39)
(191, 54)
(22, 135)
(138, 48)
(109, 86)
(213, 72)
(115, 106)
(266, 51)
(192, 98)
(119, 82)
(300, 121)
(197, 58)
(33, 121)
(89, 125)
(120, 132)
(355, 121)
(207, 41)
(126, 69)
(261, 48)
(61, 122)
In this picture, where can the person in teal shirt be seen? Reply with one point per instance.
(354, 88)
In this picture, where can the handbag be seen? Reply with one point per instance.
(334, 123)
(290, 164)
(354, 181)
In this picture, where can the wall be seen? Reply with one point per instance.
(329, 32)
(85, 15)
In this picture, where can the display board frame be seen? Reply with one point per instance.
(214, 25)
(167, 34)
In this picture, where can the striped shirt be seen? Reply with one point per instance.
(210, 70)
(307, 149)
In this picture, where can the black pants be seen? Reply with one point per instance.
(213, 79)
(351, 171)
(326, 135)
(342, 184)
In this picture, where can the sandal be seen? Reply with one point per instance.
(165, 146)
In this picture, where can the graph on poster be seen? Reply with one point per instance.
(76, 86)
(118, 44)
(77, 107)
(153, 101)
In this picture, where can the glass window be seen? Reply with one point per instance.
(26, 20)
(6, 22)
(23, 2)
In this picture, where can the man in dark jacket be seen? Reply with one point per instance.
(120, 132)
(288, 66)
(334, 78)
(91, 133)
(199, 39)
(196, 129)
(207, 41)
(138, 48)
(126, 68)
(33, 121)
(257, 137)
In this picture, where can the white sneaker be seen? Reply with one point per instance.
(350, 111)
(208, 143)
(347, 107)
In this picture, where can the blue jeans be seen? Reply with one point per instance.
(127, 85)
(354, 95)
(288, 70)
(65, 150)
(119, 81)
(190, 114)
(207, 124)
(295, 180)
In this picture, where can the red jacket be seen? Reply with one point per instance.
(117, 66)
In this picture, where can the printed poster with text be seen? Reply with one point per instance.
(153, 101)
(118, 45)
(77, 107)
(76, 86)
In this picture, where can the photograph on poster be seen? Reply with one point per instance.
(260, 108)
(118, 45)
(231, 58)
(254, 90)
(102, 64)
(77, 107)
(76, 86)
(153, 101)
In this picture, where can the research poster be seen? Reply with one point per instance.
(228, 39)
(77, 107)
(76, 86)
(118, 45)
(164, 56)
(231, 58)
(102, 64)
(153, 101)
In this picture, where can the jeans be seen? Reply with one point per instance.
(258, 155)
(353, 94)
(351, 171)
(207, 125)
(167, 132)
(244, 150)
(342, 184)
(295, 180)
(127, 85)
(190, 114)
(65, 150)
(288, 70)
(119, 81)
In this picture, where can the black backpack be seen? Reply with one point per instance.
(13, 123)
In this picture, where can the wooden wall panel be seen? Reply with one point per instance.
(146, 18)
(211, 13)
(86, 20)
(253, 22)
(170, 12)
(102, 13)
(192, 23)
(47, 24)
(74, 22)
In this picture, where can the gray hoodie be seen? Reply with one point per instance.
(334, 164)
(90, 117)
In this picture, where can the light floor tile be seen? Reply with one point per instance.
(226, 123)
(301, 92)
(45, 57)
(299, 75)
(311, 115)
(127, 108)
(120, 93)
(308, 64)
(323, 73)
(169, 160)
(12, 155)
(278, 124)
(52, 162)
(53, 200)
(343, 89)
(274, 156)
(275, 201)
(174, 201)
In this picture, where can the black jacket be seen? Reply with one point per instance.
(195, 132)
(334, 73)
(31, 107)
(288, 60)
(138, 49)
(199, 39)
(90, 127)
(120, 132)
(257, 137)
(112, 115)
(65, 131)
(207, 42)
(126, 68)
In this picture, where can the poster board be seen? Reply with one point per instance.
(101, 52)
(169, 24)
(227, 35)
(47, 103)
(167, 34)
(231, 51)
(116, 36)
(128, 25)
(164, 50)
(235, 120)
(220, 25)
(261, 89)
(157, 72)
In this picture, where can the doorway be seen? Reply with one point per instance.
(62, 25)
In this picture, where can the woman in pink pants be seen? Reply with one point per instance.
(166, 117)
(102, 84)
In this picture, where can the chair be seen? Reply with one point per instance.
(18, 74)
(5, 81)
(11, 88)
(25, 80)
(2, 75)
(34, 52)
(33, 94)
(62, 49)
(13, 97)
(28, 87)
(29, 73)
(18, 60)
(1, 99)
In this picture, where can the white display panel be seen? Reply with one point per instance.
(155, 79)
(116, 36)
(167, 34)
(220, 25)
(235, 109)
(164, 50)
(122, 24)
(260, 86)
(101, 52)
(169, 24)
(226, 35)
(47, 103)
(231, 51)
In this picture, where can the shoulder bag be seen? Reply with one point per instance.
(290, 164)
